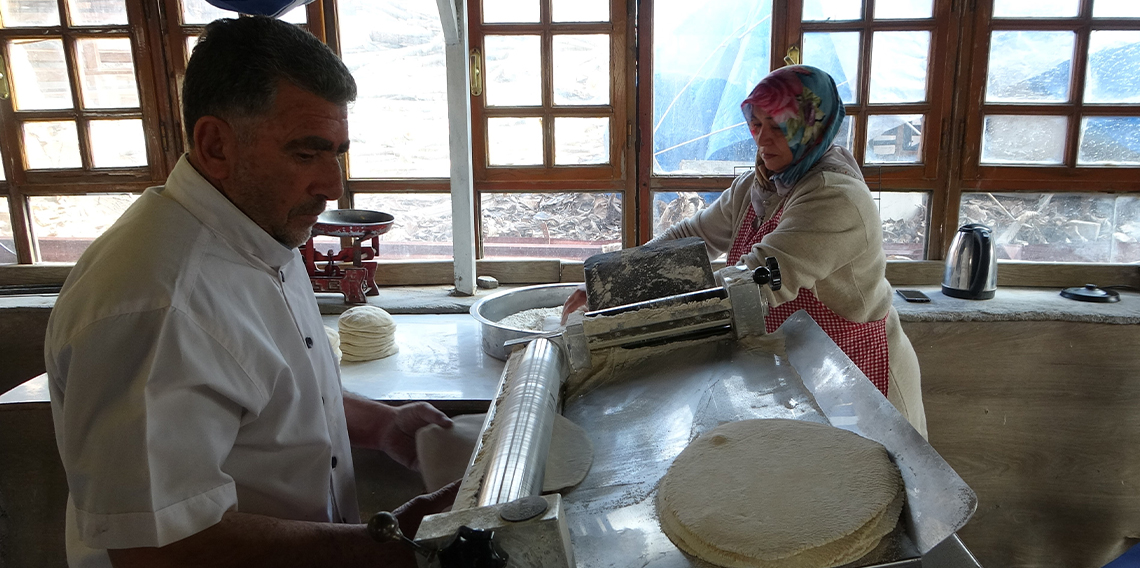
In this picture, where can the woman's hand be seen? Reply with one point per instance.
(576, 301)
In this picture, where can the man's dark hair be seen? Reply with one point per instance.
(238, 63)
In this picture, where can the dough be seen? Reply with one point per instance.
(445, 452)
(367, 333)
(780, 494)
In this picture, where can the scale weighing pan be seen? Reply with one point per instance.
(356, 223)
(640, 414)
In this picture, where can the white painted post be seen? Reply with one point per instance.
(453, 16)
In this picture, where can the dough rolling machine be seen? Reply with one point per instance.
(643, 380)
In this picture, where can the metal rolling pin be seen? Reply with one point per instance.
(523, 426)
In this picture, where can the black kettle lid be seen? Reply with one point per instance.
(1090, 293)
(971, 227)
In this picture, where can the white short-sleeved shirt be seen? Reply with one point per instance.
(190, 374)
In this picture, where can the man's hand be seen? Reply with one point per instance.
(412, 513)
(576, 300)
(391, 429)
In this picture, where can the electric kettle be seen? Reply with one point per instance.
(971, 264)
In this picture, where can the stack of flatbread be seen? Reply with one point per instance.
(780, 494)
(334, 341)
(367, 333)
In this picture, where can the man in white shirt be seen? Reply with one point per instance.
(197, 404)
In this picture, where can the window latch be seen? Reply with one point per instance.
(5, 89)
(793, 56)
(476, 73)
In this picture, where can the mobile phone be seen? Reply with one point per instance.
(913, 295)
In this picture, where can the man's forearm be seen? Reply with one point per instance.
(245, 540)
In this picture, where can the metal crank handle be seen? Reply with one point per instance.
(384, 527)
(768, 274)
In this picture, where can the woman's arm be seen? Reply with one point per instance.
(715, 224)
(825, 226)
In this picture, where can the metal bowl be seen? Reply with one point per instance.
(488, 311)
(360, 223)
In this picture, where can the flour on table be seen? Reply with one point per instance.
(536, 319)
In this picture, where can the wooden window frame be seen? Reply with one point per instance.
(617, 176)
(21, 183)
(952, 131)
(1067, 176)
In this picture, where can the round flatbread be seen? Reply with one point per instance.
(780, 494)
(367, 333)
(445, 452)
(365, 318)
(334, 341)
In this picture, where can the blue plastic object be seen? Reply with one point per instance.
(1130, 559)
(272, 8)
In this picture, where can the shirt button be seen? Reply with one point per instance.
(309, 342)
(334, 462)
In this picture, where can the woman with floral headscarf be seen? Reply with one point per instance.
(806, 204)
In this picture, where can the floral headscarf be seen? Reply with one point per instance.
(803, 100)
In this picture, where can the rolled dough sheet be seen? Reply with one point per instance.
(780, 494)
(445, 452)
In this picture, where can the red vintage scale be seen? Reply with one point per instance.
(350, 271)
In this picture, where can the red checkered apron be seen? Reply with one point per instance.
(864, 343)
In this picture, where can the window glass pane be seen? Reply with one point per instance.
(297, 15)
(672, 207)
(1029, 67)
(192, 41)
(1008, 139)
(510, 11)
(422, 225)
(117, 143)
(846, 135)
(202, 12)
(905, 223)
(21, 13)
(699, 79)
(838, 54)
(1058, 227)
(815, 10)
(898, 67)
(97, 12)
(1116, 9)
(898, 9)
(569, 225)
(398, 124)
(580, 10)
(581, 141)
(514, 141)
(1036, 8)
(7, 243)
(513, 70)
(3, 176)
(107, 73)
(39, 74)
(50, 145)
(581, 69)
(65, 225)
(1114, 67)
(894, 139)
(1109, 141)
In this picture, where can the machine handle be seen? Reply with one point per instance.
(768, 274)
(385, 527)
(982, 257)
(473, 548)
